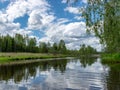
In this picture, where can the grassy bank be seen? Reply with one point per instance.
(9, 57)
(111, 58)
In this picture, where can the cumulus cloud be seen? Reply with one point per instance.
(72, 1)
(3, 18)
(37, 10)
(64, 1)
(6, 28)
(74, 34)
(73, 10)
(84, 1)
(78, 17)
(16, 9)
(39, 20)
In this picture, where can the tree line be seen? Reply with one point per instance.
(84, 50)
(20, 43)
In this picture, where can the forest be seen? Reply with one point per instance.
(20, 43)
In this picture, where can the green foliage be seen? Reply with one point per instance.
(10, 57)
(20, 43)
(55, 48)
(103, 17)
(111, 58)
(74, 53)
(43, 47)
(31, 45)
(62, 47)
(87, 50)
(112, 27)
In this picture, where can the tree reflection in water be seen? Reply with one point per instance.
(18, 72)
(87, 61)
(113, 78)
(77, 75)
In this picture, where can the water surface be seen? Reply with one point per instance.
(70, 74)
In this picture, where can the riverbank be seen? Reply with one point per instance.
(111, 58)
(10, 57)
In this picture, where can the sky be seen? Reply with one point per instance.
(47, 20)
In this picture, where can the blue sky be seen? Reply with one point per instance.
(46, 20)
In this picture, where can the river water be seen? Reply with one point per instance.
(65, 74)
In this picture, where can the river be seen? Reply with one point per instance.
(65, 74)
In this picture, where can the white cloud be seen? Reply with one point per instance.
(37, 10)
(73, 34)
(3, 18)
(39, 20)
(84, 1)
(21, 7)
(75, 29)
(72, 1)
(34, 20)
(8, 27)
(16, 9)
(64, 1)
(78, 17)
(74, 10)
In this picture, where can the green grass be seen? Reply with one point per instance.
(9, 57)
(111, 58)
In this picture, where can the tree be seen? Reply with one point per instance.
(82, 49)
(6, 44)
(103, 17)
(112, 26)
(19, 43)
(32, 45)
(49, 47)
(87, 50)
(0, 43)
(43, 47)
(55, 48)
(62, 47)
